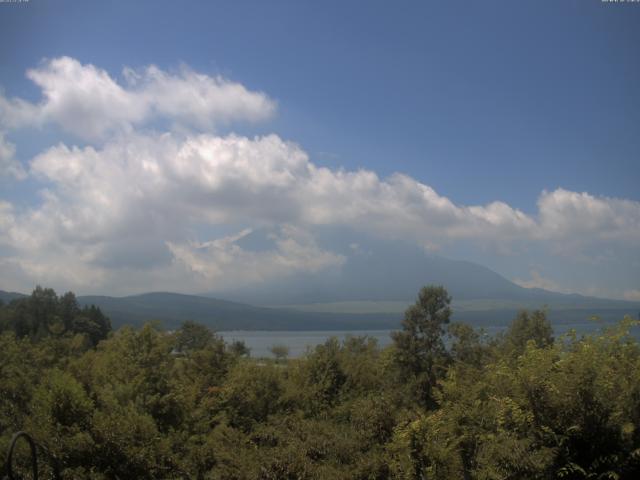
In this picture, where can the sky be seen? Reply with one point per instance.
(197, 146)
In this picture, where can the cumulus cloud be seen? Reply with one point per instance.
(86, 101)
(223, 262)
(148, 193)
(6, 219)
(197, 99)
(133, 204)
(9, 165)
(17, 113)
(538, 281)
(584, 217)
(633, 295)
(264, 180)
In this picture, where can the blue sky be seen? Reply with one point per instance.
(480, 101)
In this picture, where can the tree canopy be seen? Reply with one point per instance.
(44, 314)
(437, 403)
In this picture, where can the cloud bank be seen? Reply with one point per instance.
(87, 102)
(132, 205)
(9, 166)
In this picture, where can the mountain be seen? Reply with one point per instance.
(171, 309)
(6, 297)
(383, 276)
(397, 275)
(386, 279)
(368, 292)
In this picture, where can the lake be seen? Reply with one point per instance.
(298, 342)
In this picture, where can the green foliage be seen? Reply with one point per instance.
(251, 393)
(280, 352)
(419, 348)
(193, 336)
(44, 314)
(567, 410)
(321, 377)
(468, 347)
(144, 403)
(239, 349)
(528, 327)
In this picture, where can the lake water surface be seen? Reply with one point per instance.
(298, 342)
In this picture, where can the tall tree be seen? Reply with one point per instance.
(419, 348)
(528, 326)
(193, 336)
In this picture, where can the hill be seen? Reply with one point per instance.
(171, 309)
(369, 292)
(391, 276)
(7, 297)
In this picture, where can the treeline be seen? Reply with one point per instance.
(44, 314)
(151, 404)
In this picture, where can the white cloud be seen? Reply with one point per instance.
(7, 219)
(538, 281)
(16, 113)
(87, 102)
(583, 217)
(633, 295)
(264, 180)
(197, 99)
(147, 193)
(126, 208)
(224, 263)
(9, 165)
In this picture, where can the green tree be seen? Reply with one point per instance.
(32, 316)
(68, 309)
(90, 321)
(419, 348)
(528, 326)
(281, 352)
(251, 393)
(321, 377)
(469, 346)
(61, 416)
(239, 349)
(193, 336)
(44, 314)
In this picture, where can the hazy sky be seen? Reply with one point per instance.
(191, 146)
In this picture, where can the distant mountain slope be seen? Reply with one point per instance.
(6, 297)
(171, 309)
(368, 292)
(397, 275)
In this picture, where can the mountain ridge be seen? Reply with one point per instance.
(171, 309)
(397, 275)
(345, 302)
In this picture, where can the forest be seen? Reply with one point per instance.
(444, 401)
